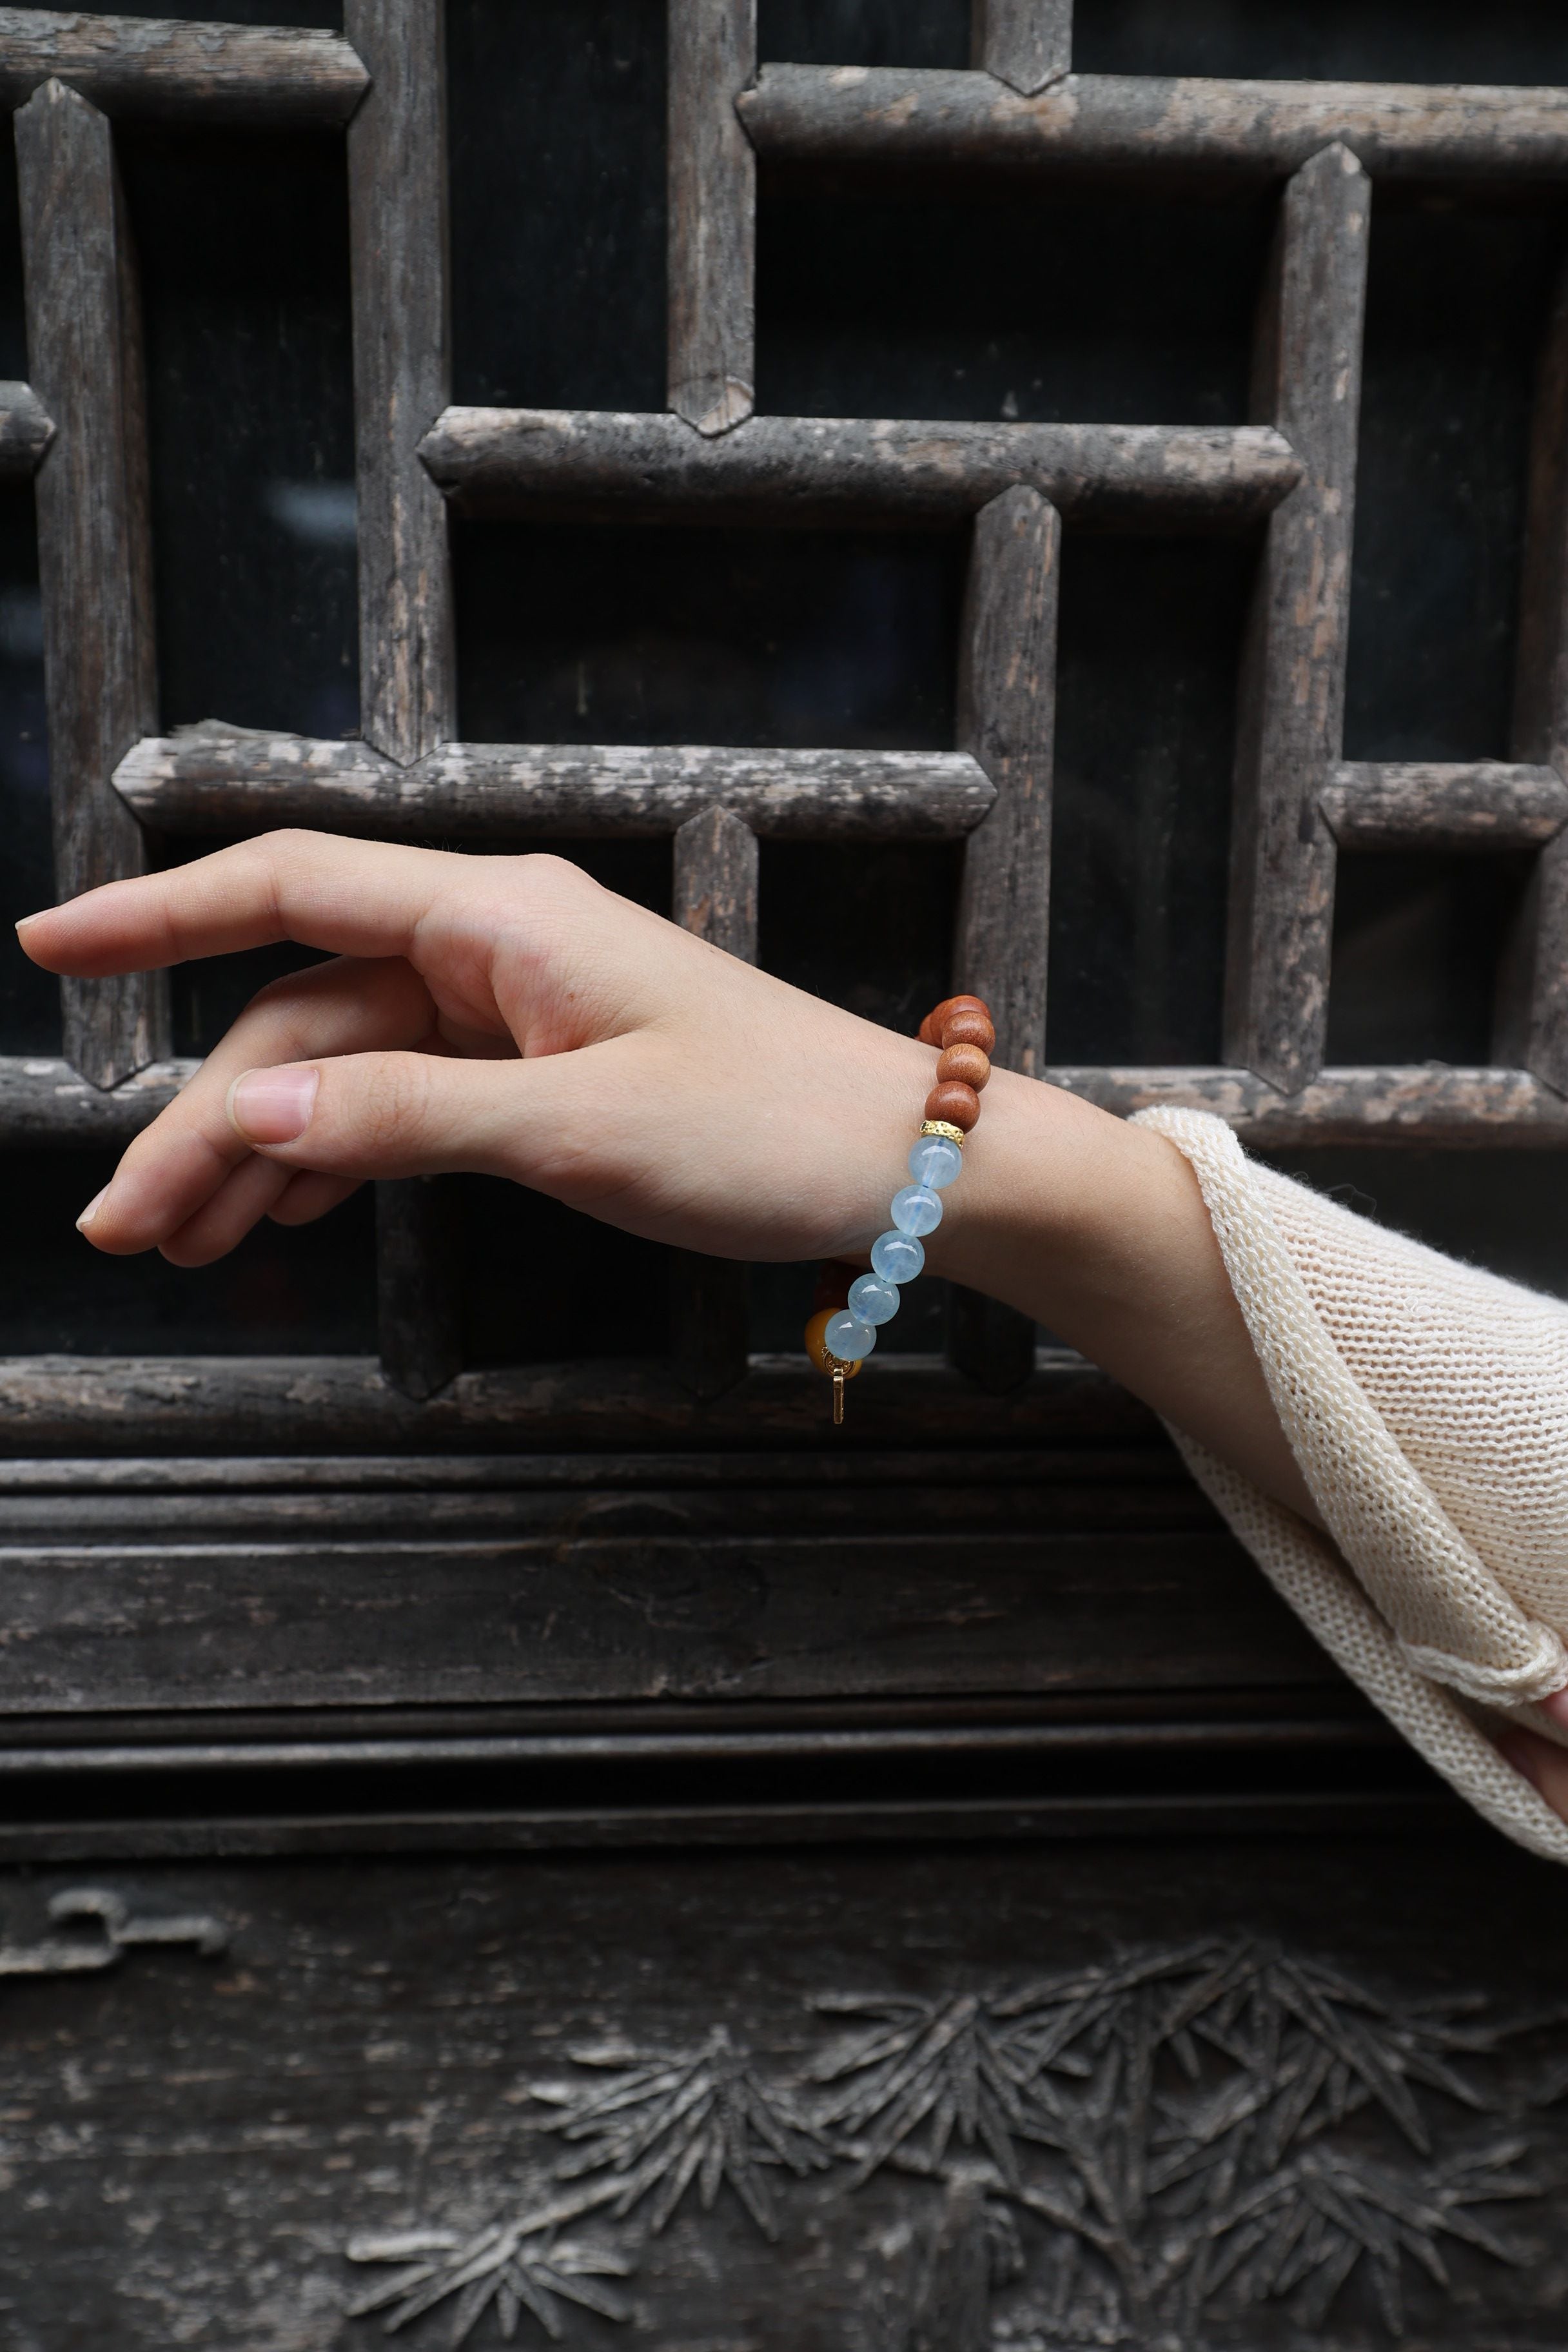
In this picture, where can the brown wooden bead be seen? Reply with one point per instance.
(931, 1026)
(958, 1105)
(967, 1064)
(967, 1027)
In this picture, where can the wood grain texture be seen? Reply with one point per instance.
(587, 462)
(1427, 1106)
(1414, 130)
(1308, 382)
(1007, 720)
(153, 70)
(1439, 805)
(1533, 1025)
(1024, 43)
(26, 431)
(418, 1323)
(84, 340)
(201, 782)
(268, 1404)
(44, 1103)
(397, 216)
(715, 896)
(528, 1597)
(712, 228)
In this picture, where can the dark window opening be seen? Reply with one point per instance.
(1418, 942)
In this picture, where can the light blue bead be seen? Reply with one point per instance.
(849, 1338)
(898, 1257)
(872, 1299)
(916, 1210)
(935, 1162)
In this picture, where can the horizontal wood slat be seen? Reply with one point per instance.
(1414, 130)
(591, 461)
(45, 1103)
(1425, 1105)
(158, 69)
(286, 1403)
(25, 430)
(1433, 804)
(235, 781)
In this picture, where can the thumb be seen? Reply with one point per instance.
(368, 1115)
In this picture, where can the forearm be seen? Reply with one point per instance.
(1098, 1230)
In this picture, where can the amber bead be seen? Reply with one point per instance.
(816, 1349)
(958, 1105)
(968, 1027)
(931, 1026)
(967, 1064)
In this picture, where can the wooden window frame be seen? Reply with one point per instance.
(79, 427)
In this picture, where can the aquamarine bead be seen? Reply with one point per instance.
(916, 1210)
(849, 1338)
(935, 1162)
(897, 1257)
(872, 1299)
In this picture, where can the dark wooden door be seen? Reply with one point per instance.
(512, 1829)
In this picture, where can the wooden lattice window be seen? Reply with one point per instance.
(1302, 157)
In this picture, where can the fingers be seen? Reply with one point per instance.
(307, 1196)
(388, 1113)
(175, 1172)
(1543, 1763)
(356, 898)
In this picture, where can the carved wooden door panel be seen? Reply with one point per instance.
(513, 1830)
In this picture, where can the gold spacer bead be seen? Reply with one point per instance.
(942, 1127)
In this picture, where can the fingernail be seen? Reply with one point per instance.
(23, 921)
(1521, 1756)
(91, 1210)
(273, 1105)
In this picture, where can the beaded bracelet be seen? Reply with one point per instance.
(849, 1306)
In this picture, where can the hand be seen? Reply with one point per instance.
(503, 1014)
(1543, 1764)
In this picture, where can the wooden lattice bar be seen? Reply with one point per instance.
(207, 784)
(1024, 43)
(1007, 720)
(1292, 692)
(1439, 804)
(1124, 122)
(152, 68)
(1429, 1104)
(716, 874)
(781, 469)
(712, 174)
(397, 213)
(95, 569)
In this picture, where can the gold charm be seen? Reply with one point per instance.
(838, 1394)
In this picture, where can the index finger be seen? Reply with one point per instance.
(354, 897)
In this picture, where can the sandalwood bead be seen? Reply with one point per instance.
(931, 1027)
(957, 1103)
(967, 1064)
(968, 1027)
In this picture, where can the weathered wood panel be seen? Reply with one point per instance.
(397, 215)
(715, 896)
(238, 781)
(308, 1599)
(26, 431)
(433, 2034)
(1308, 382)
(150, 68)
(711, 272)
(47, 1104)
(1451, 805)
(1417, 130)
(1024, 43)
(95, 564)
(784, 467)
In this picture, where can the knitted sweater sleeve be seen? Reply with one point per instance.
(1427, 1402)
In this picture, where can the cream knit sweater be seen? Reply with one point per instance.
(1428, 1405)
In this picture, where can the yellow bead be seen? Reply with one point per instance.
(815, 1333)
